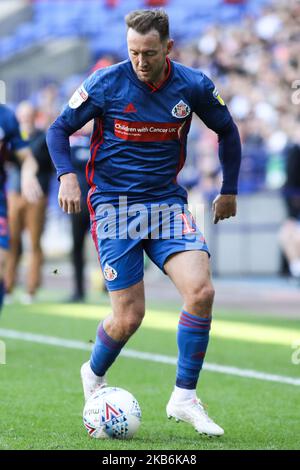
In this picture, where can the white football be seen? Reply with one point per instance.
(111, 412)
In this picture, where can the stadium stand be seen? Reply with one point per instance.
(89, 18)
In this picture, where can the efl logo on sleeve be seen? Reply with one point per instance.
(79, 97)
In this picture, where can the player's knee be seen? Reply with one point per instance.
(208, 292)
(128, 312)
(201, 296)
(132, 322)
(133, 317)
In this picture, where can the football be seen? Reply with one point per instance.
(111, 412)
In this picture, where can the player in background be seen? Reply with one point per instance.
(143, 109)
(11, 141)
(23, 214)
(289, 235)
(80, 154)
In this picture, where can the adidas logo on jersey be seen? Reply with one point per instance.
(130, 108)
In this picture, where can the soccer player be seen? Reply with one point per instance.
(143, 109)
(10, 140)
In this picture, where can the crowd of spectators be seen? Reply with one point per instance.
(256, 66)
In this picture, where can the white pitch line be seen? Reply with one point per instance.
(74, 344)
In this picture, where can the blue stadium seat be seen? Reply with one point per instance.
(113, 42)
(105, 26)
(7, 47)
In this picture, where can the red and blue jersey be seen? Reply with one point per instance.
(10, 138)
(138, 145)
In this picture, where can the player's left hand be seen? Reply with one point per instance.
(224, 206)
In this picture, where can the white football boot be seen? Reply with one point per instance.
(192, 411)
(90, 381)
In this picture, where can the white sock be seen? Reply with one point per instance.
(91, 374)
(183, 394)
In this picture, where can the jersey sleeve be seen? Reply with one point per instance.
(86, 103)
(209, 105)
(212, 110)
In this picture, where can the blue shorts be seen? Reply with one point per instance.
(4, 232)
(121, 236)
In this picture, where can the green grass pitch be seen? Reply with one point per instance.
(41, 397)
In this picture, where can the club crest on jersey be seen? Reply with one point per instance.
(110, 274)
(79, 97)
(181, 110)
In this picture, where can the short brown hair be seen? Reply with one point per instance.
(143, 21)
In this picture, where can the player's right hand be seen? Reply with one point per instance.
(224, 206)
(69, 194)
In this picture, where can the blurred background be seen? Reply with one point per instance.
(250, 49)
